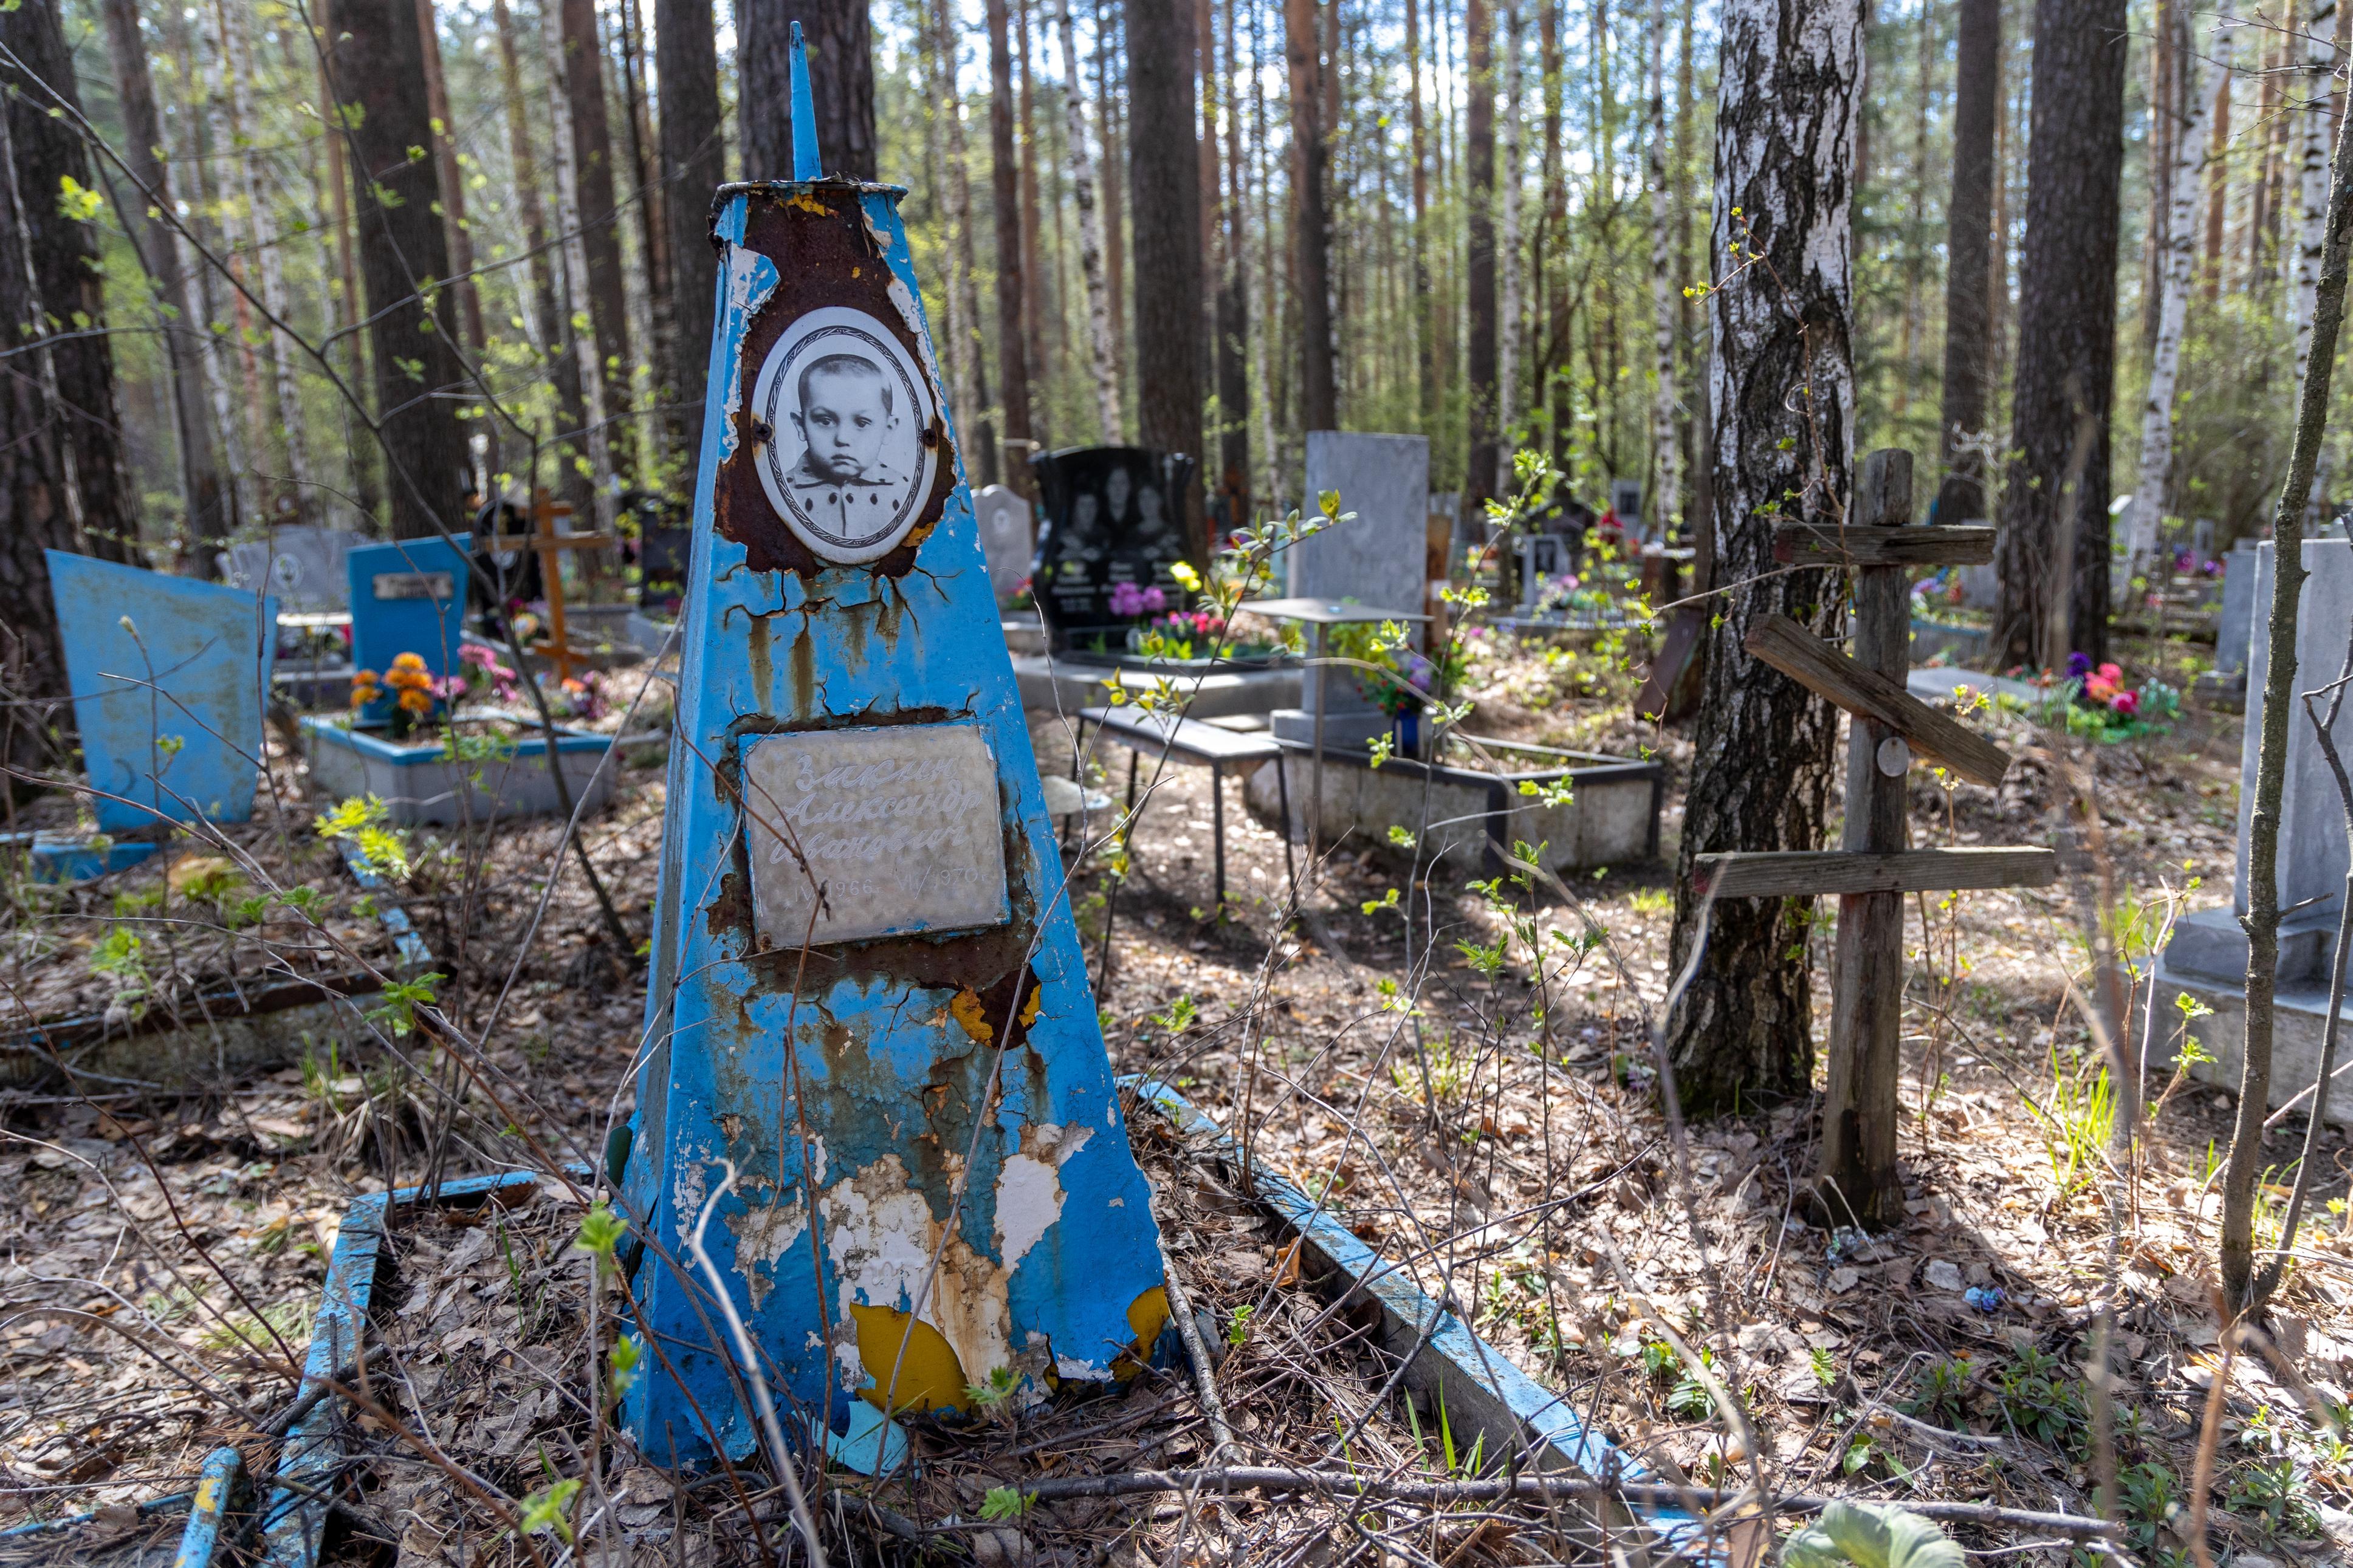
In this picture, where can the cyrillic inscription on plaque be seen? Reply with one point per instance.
(899, 822)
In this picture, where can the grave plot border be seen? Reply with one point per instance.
(1483, 1393)
(420, 784)
(237, 1029)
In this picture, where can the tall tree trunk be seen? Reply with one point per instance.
(1164, 175)
(2316, 116)
(375, 67)
(840, 37)
(693, 166)
(1512, 312)
(577, 281)
(1005, 188)
(1479, 162)
(1560, 316)
(67, 299)
(367, 493)
(1781, 387)
(605, 287)
(1311, 217)
(1233, 294)
(2181, 258)
(209, 511)
(2217, 190)
(1970, 276)
(37, 500)
(1915, 237)
(1033, 276)
(1109, 66)
(1666, 472)
(262, 230)
(963, 298)
(1262, 319)
(453, 185)
(2053, 561)
(653, 240)
(549, 319)
(1425, 359)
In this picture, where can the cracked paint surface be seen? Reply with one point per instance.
(932, 1164)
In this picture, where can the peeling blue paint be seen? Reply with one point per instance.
(921, 1122)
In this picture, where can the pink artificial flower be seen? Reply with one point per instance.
(2127, 703)
(2112, 673)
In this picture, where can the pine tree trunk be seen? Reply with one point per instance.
(693, 166)
(1004, 189)
(840, 37)
(67, 299)
(2181, 258)
(1311, 217)
(453, 187)
(1666, 472)
(367, 494)
(1033, 276)
(653, 228)
(269, 261)
(1781, 387)
(1560, 318)
(1425, 358)
(1110, 67)
(1479, 164)
(1969, 279)
(375, 67)
(549, 318)
(1233, 296)
(1916, 240)
(209, 513)
(1262, 321)
(603, 283)
(2053, 560)
(963, 298)
(2218, 189)
(576, 284)
(1511, 311)
(1163, 177)
(36, 481)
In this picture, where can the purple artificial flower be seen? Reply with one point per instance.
(1127, 600)
(1154, 601)
(2079, 665)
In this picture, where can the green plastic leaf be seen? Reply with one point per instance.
(1871, 1535)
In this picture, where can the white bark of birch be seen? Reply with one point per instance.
(1090, 252)
(1512, 308)
(2318, 117)
(2174, 277)
(573, 268)
(1666, 452)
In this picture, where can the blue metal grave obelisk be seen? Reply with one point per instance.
(867, 994)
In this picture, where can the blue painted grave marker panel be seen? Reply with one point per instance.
(169, 705)
(867, 994)
(408, 597)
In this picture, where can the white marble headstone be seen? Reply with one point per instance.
(1377, 559)
(1008, 538)
(302, 564)
(2312, 849)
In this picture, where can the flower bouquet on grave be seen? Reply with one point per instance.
(2101, 707)
(411, 687)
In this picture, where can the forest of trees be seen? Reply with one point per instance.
(1487, 220)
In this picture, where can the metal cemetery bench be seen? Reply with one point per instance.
(1205, 745)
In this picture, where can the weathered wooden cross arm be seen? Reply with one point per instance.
(1829, 674)
(1909, 544)
(1806, 873)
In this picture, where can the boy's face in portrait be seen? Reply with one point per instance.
(844, 417)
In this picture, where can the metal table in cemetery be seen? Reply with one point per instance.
(1182, 740)
(1317, 615)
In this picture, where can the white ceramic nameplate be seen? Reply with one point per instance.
(413, 585)
(900, 824)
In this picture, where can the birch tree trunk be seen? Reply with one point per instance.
(571, 272)
(1666, 466)
(2316, 115)
(1090, 252)
(1781, 387)
(2174, 276)
(1513, 261)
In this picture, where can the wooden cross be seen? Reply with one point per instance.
(556, 646)
(1872, 869)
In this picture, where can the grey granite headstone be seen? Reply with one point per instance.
(2237, 619)
(1376, 560)
(300, 564)
(2201, 537)
(1980, 588)
(1008, 538)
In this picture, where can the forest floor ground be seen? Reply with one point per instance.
(1493, 1129)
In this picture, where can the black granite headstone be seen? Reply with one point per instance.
(665, 540)
(1111, 524)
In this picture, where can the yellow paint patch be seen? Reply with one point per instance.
(969, 1010)
(930, 1378)
(808, 204)
(208, 1496)
(1147, 1315)
(1029, 1009)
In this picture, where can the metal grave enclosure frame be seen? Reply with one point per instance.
(931, 1185)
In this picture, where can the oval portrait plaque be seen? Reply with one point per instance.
(844, 462)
